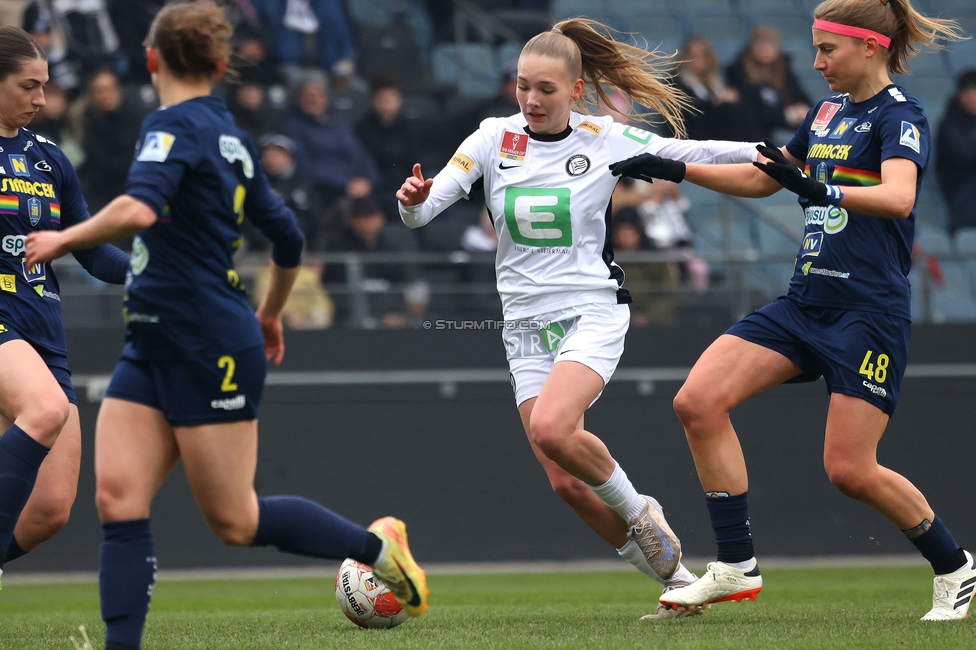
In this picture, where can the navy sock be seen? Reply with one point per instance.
(126, 579)
(20, 457)
(935, 543)
(730, 521)
(296, 525)
(14, 551)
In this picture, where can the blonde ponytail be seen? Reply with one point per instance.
(591, 53)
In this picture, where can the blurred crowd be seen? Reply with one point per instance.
(339, 122)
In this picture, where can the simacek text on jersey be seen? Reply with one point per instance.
(486, 324)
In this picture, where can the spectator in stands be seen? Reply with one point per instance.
(955, 161)
(131, 19)
(389, 139)
(39, 23)
(111, 130)
(52, 122)
(719, 114)
(367, 231)
(309, 34)
(329, 154)
(653, 285)
(252, 110)
(277, 153)
(764, 78)
(89, 35)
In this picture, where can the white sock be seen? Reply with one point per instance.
(619, 493)
(633, 554)
(681, 577)
(744, 566)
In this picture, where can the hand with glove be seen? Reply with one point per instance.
(647, 167)
(793, 178)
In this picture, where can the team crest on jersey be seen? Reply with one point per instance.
(812, 244)
(514, 146)
(34, 210)
(156, 147)
(577, 165)
(826, 113)
(18, 163)
(822, 172)
(910, 137)
(842, 128)
(233, 150)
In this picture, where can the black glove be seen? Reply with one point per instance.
(789, 175)
(647, 167)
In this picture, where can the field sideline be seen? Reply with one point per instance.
(545, 605)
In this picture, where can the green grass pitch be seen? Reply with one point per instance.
(799, 608)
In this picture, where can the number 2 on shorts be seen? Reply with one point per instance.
(877, 373)
(228, 362)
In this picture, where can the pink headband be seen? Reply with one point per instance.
(848, 30)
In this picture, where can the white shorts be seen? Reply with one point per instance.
(592, 335)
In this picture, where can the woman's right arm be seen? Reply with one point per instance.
(423, 199)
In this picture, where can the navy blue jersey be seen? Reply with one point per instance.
(850, 260)
(201, 175)
(39, 190)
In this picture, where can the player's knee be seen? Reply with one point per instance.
(848, 478)
(231, 530)
(569, 489)
(112, 502)
(692, 406)
(548, 435)
(45, 418)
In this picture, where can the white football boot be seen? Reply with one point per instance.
(721, 583)
(661, 547)
(666, 613)
(953, 592)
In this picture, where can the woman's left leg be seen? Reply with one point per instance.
(854, 428)
(555, 429)
(49, 505)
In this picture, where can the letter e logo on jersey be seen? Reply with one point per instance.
(156, 147)
(514, 146)
(826, 113)
(233, 150)
(18, 163)
(910, 137)
(539, 216)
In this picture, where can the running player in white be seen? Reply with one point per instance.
(548, 187)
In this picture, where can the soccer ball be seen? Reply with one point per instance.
(364, 599)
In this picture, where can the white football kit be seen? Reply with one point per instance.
(549, 199)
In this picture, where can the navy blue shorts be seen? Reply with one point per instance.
(858, 353)
(214, 390)
(56, 363)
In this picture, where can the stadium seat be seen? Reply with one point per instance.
(391, 49)
(468, 66)
(726, 31)
(596, 9)
(962, 56)
(933, 241)
(965, 240)
(953, 301)
(661, 30)
(507, 55)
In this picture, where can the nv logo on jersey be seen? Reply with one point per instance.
(842, 128)
(18, 163)
(812, 244)
(34, 272)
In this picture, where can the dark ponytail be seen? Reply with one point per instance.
(16, 48)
